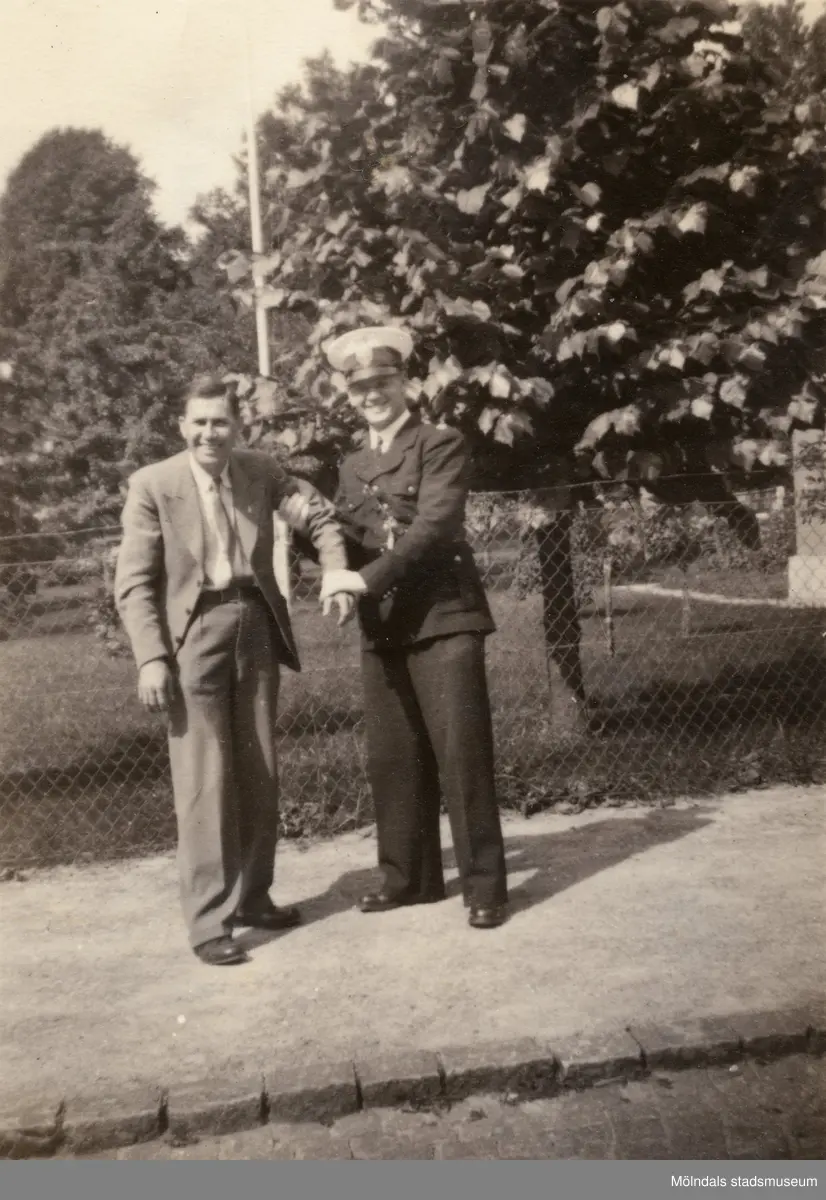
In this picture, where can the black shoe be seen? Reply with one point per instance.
(272, 918)
(375, 902)
(487, 918)
(221, 952)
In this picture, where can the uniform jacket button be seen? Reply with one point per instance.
(410, 487)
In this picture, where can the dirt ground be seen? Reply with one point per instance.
(619, 915)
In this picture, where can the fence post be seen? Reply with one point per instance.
(560, 622)
(608, 592)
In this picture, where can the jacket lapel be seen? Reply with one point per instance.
(247, 495)
(370, 464)
(181, 495)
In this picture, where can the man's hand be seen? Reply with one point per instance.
(339, 580)
(345, 603)
(156, 685)
(295, 510)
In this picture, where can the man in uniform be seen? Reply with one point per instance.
(424, 618)
(196, 592)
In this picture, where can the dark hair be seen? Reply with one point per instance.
(212, 387)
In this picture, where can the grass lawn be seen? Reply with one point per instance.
(733, 698)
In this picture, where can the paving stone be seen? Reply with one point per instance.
(498, 1126)
(641, 1138)
(697, 1135)
(384, 1146)
(629, 1100)
(101, 1120)
(399, 1120)
(251, 1144)
(33, 1128)
(388, 1079)
(319, 1145)
(796, 1082)
(771, 1033)
(534, 1146)
(747, 1140)
(815, 1012)
(808, 1137)
(311, 1092)
(749, 1092)
(482, 1148)
(680, 1093)
(524, 1066)
(364, 1121)
(214, 1106)
(688, 1043)
(586, 1141)
(585, 1058)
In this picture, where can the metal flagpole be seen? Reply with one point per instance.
(281, 541)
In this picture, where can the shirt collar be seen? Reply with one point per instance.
(203, 478)
(382, 440)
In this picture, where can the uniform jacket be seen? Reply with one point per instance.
(403, 512)
(160, 573)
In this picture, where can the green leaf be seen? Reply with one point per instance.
(513, 425)
(537, 174)
(500, 384)
(627, 95)
(694, 220)
(515, 127)
(488, 418)
(733, 391)
(472, 200)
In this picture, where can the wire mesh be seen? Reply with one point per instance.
(642, 652)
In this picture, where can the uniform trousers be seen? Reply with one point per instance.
(429, 735)
(222, 755)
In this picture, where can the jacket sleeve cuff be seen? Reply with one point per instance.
(380, 575)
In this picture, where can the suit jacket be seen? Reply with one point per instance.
(160, 567)
(403, 512)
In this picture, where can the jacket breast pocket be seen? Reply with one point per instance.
(403, 484)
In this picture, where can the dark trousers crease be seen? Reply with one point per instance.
(429, 734)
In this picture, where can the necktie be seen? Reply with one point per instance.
(222, 525)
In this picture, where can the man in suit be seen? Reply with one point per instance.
(195, 589)
(424, 618)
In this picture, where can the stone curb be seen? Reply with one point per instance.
(315, 1092)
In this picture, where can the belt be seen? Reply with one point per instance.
(235, 591)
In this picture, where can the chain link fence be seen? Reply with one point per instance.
(643, 652)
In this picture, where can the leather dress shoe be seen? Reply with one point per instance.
(375, 902)
(221, 952)
(487, 918)
(272, 918)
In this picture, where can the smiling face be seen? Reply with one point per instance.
(210, 428)
(380, 399)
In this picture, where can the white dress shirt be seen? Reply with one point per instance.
(217, 566)
(382, 439)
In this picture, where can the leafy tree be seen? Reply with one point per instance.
(103, 322)
(792, 51)
(602, 221)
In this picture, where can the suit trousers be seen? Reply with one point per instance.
(222, 754)
(429, 734)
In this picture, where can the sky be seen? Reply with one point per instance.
(167, 78)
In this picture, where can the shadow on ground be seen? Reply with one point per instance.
(556, 861)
